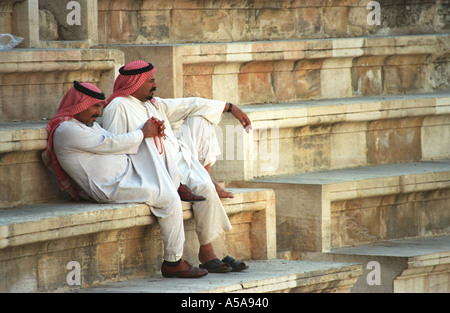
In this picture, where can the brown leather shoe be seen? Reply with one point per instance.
(187, 195)
(182, 270)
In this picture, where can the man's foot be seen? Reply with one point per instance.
(182, 270)
(222, 192)
(209, 260)
(216, 266)
(187, 195)
(237, 266)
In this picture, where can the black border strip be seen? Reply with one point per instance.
(87, 91)
(136, 71)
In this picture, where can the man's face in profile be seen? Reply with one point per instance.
(89, 116)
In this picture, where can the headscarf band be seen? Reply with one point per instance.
(131, 77)
(125, 72)
(87, 91)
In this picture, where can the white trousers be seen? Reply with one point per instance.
(200, 136)
(210, 217)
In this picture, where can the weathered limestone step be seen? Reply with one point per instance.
(33, 81)
(24, 179)
(294, 70)
(336, 133)
(160, 21)
(319, 211)
(407, 265)
(262, 277)
(48, 221)
(117, 241)
(309, 135)
(50, 24)
(23, 136)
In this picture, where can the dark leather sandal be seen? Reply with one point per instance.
(216, 266)
(236, 266)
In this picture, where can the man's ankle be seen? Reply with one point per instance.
(172, 264)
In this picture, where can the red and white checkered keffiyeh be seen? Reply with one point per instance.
(132, 76)
(125, 85)
(72, 103)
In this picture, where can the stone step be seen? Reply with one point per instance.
(42, 22)
(117, 241)
(308, 135)
(335, 133)
(293, 70)
(33, 81)
(263, 276)
(419, 265)
(319, 211)
(160, 21)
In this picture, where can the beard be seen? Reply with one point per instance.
(90, 124)
(150, 97)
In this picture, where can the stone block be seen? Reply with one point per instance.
(394, 141)
(367, 76)
(390, 217)
(281, 71)
(198, 81)
(24, 179)
(348, 146)
(426, 279)
(336, 78)
(159, 22)
(358, 205)
(309, 21)
(54, 71)
(434, 132)
(307, 79)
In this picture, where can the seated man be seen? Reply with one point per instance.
(91, 162)
(197, 133)
(132, 103)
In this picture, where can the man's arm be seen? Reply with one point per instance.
(239, 114)
(73, 137)
(179, 109)
(212, 110)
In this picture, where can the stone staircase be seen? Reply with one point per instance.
(115, 242)
(266, 276)
(351, 137)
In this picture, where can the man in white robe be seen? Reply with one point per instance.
(116, 168)
(132, 102)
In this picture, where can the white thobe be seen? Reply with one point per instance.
(125, 114)
(119, 169)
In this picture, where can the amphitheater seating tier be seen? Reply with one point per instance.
(348, 157)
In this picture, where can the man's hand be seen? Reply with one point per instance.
(150, 129)
(242, 117)
(160, 125)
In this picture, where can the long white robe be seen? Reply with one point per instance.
(120, 169)
(125, 114)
